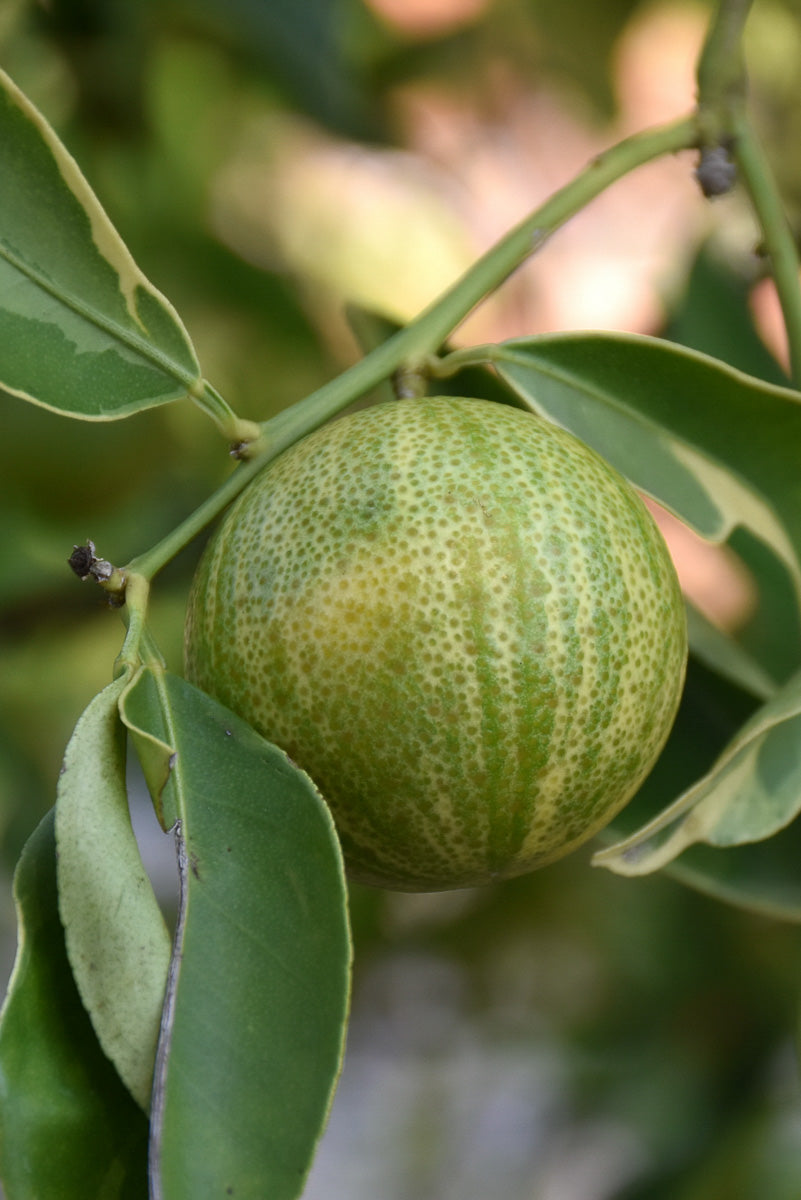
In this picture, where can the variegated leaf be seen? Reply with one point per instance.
(82, 331)
(752, 792)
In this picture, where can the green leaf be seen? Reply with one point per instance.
(752, 792)
(68, 1127)
(714, 446)
(714, 316)
(302, 44)
(82, 331)
(723, 654)
(116, 937)
(760, 877)
(254, 1024)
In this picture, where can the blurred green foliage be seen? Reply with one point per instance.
(671, 1017)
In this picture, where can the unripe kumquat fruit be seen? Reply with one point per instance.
(460, 621)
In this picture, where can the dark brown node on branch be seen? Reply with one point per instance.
(81, 559)
(716, 172)
(86, 565)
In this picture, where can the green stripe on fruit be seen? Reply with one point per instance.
(460, 621)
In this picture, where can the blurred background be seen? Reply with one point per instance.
(273, 165)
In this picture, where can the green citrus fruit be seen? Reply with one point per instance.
(460, 621)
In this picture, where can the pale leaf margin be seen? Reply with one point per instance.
(171, 354)
(737, 802)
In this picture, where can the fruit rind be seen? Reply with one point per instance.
(461, 621)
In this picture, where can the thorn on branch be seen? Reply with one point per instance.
(716, 172)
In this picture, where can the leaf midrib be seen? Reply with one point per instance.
(133, 341)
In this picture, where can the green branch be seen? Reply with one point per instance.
(427, 332)
(779, 243)
(152, 561)
(721, 71)
(728, 140)
(435, 324)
